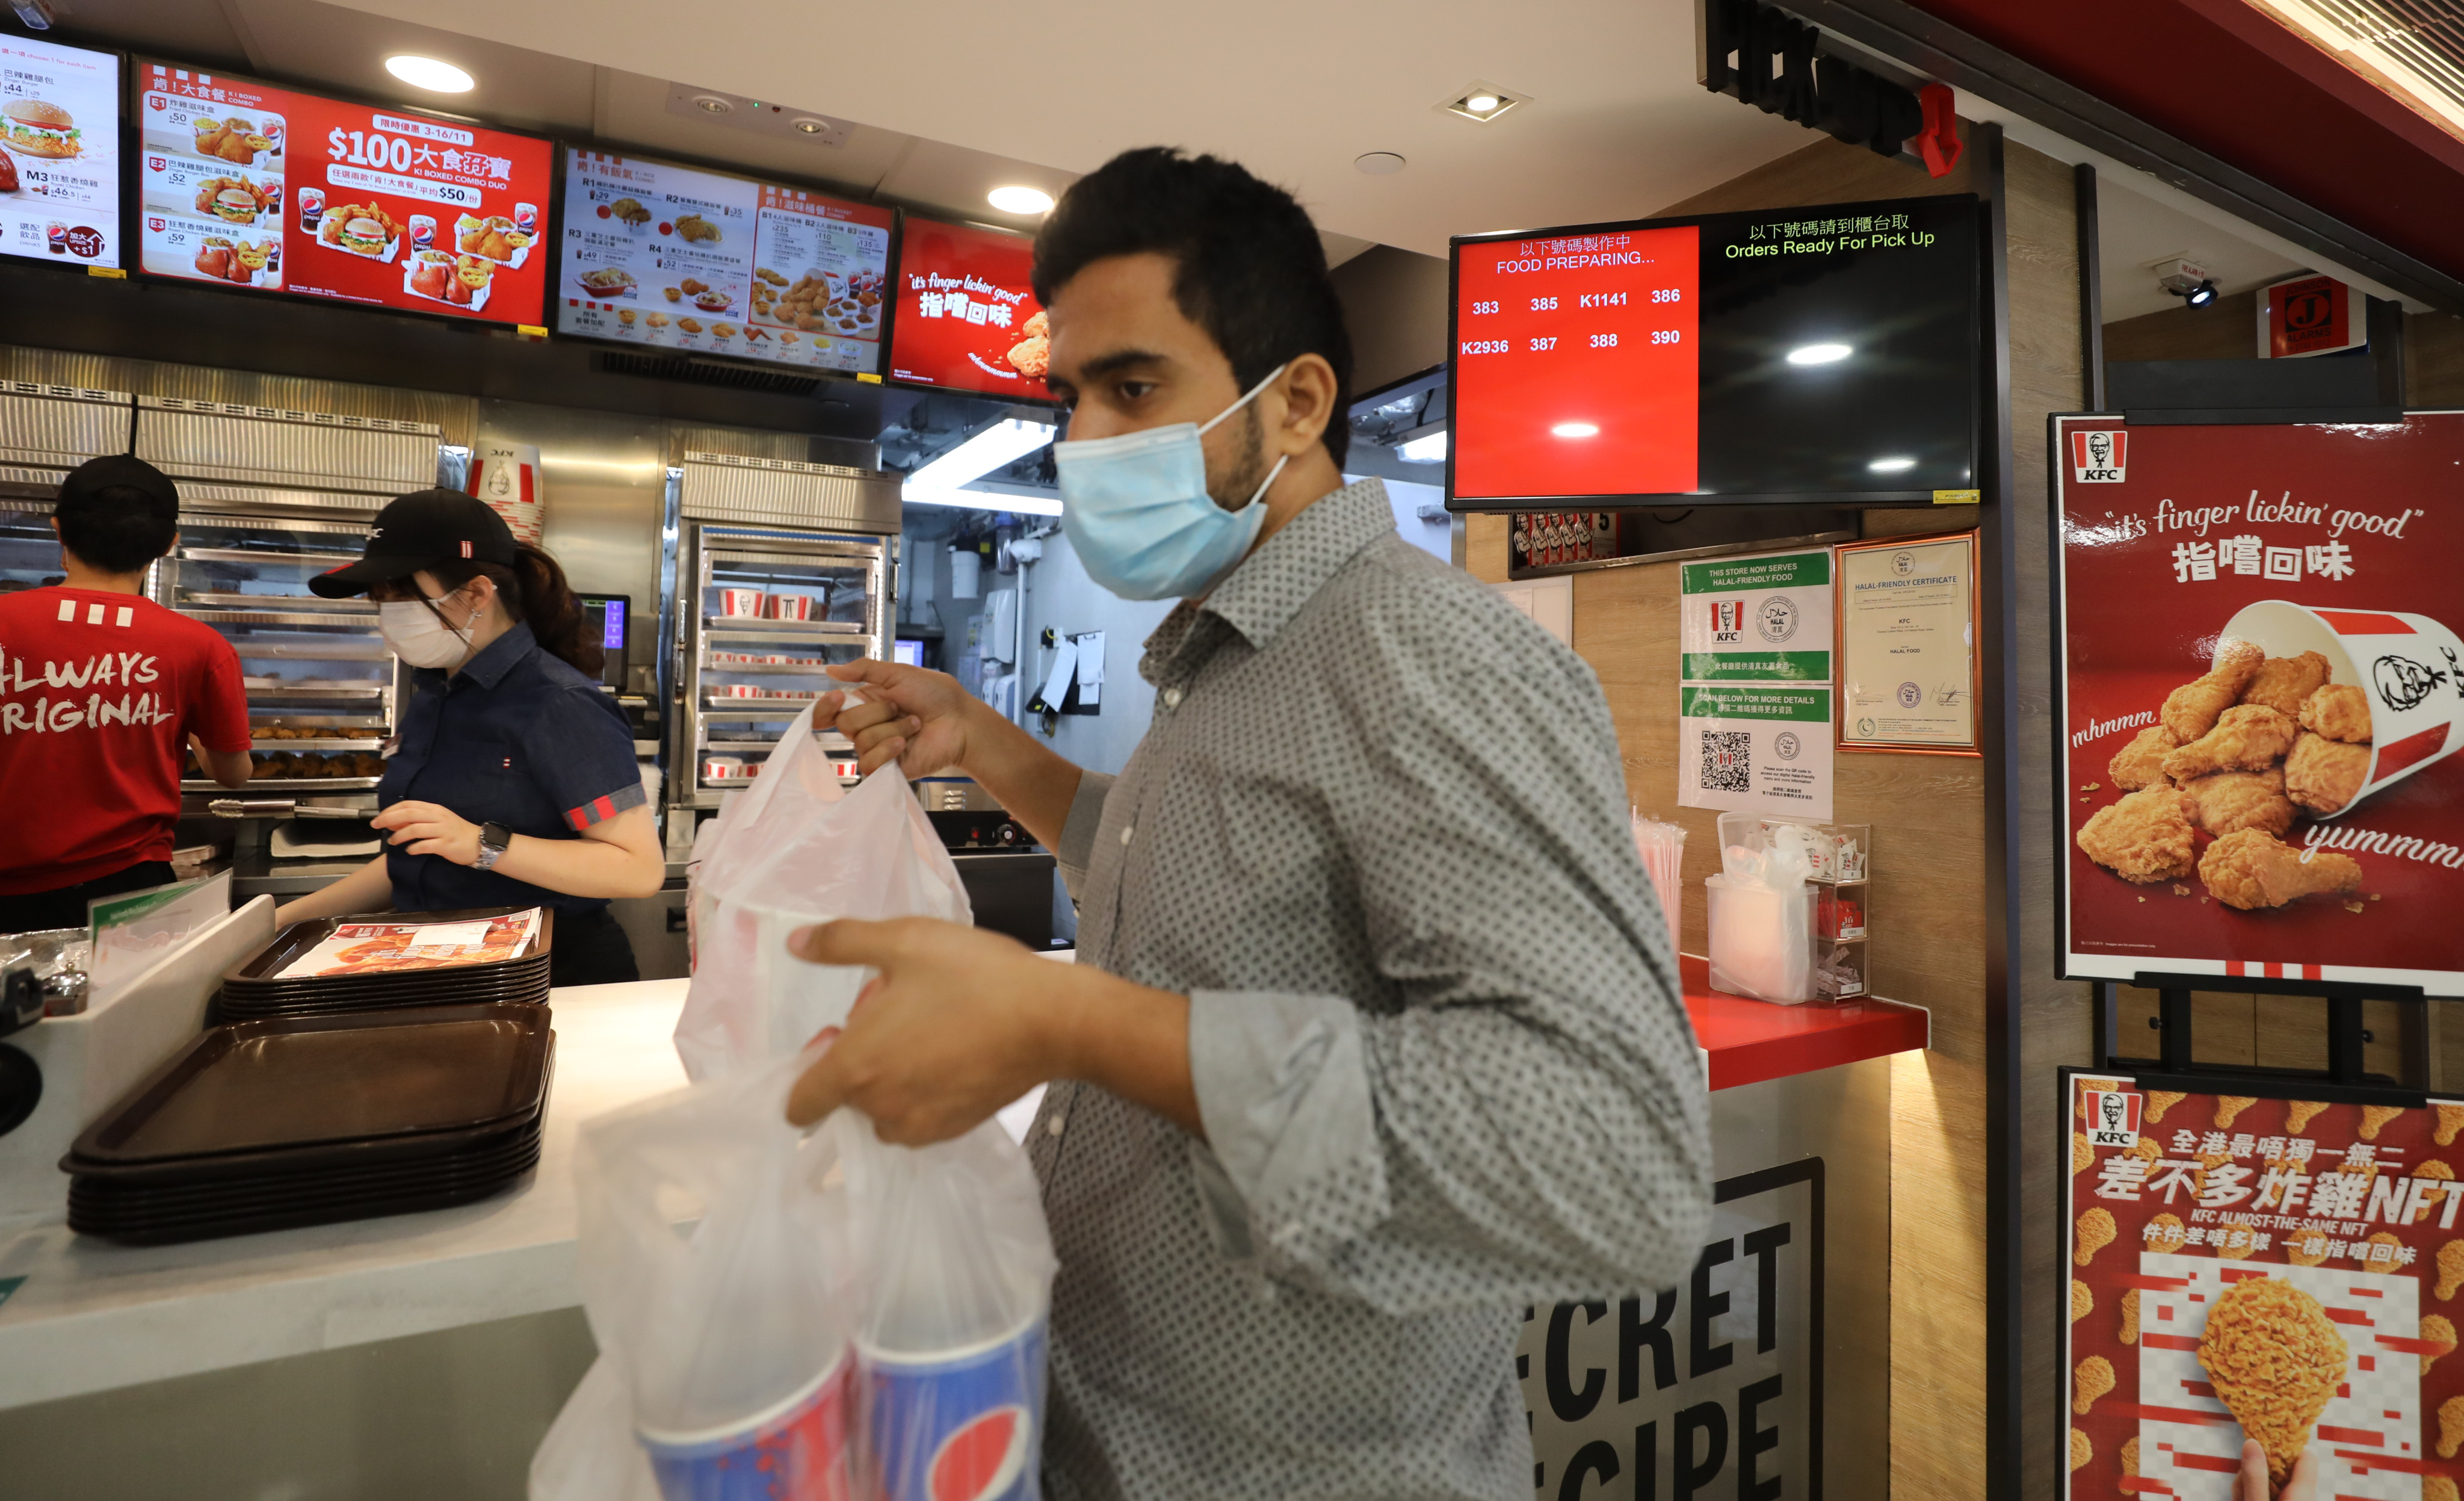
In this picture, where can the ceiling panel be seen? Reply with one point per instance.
(2133, 231)
(346, 50)
(633, 109)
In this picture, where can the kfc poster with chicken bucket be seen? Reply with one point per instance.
(2269, 1270)
(2261, 697)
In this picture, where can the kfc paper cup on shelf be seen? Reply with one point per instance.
(740, 603)
(791, 607)
(722, 768)
(2410, 667)
(798, 1449)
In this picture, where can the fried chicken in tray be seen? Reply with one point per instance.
(2227, 802)
(2324, 775)
(2339, 712)
(2190, 710)
(2141, 763)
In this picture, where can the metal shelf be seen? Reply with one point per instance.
(740, 627)
(360, 747)
(271, 617)
(225, 601)
(254, 555)
(260, 690)
(286, 785)
(768, 668)
(250, 649)
(717, 703)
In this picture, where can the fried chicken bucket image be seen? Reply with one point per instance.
(2274, 1359)
(2390, 703)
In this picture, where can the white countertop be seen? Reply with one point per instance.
(92, 1316)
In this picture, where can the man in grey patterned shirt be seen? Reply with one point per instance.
(1374, 1037)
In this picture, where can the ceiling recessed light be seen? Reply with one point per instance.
(429, 73)
(1017, 199)
(811, 126)
(1892, 466)
(1429, 448)
(1819, 354)
(713, 104)
(1482, 103)
(1378, 163)
(1576, 430)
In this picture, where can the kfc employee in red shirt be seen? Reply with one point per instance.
(101, 689)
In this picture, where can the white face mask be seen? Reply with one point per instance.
(419, 635)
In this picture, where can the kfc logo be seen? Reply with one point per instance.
(2112, 1117)
(1727, 621)
(2097, 457)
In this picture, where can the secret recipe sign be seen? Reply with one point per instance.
(2261, 693)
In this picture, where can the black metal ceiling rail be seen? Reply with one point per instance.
(1899, 30)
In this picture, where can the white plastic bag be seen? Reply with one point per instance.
(793, 849)
(715, 1270)
(957, 1270)
(1761, 922)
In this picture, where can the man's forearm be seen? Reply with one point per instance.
(1129, 1039)
(1033, 783)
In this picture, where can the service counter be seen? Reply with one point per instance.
(423, 1354)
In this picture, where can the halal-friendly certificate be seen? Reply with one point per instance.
(1908, 645)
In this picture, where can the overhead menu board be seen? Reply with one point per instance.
(59, 152)
(2261, 694)
(673, 257)
(967, 315)
(276, 191)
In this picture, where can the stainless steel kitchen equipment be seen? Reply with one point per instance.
(781, 570)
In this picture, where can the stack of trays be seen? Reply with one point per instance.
(272, 1124)
(251, 992)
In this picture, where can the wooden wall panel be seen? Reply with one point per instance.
(2433, 362)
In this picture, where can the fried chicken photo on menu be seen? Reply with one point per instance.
(2224, 802)
(2274, 1358)
(2253, 869)
(2283, 683)
(2339, 712)
(2141, 763)
(2143, 838)
(2245, 738)
(2323, 775)
(2190, 710)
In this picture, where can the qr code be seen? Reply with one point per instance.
(1727, 760)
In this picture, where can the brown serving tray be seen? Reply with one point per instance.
(255, 972)
(297, 1217)
(241, 1005)
(481, 1153)
(120, 1205)
(284, 1087)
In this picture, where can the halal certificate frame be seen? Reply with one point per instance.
(1909, 673)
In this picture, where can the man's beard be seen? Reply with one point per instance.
(1248, 472)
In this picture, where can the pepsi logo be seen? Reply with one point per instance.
(982, 1459)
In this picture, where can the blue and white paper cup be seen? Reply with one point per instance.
(795, 1451)
(964, 1425)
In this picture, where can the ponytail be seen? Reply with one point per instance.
(536, 593)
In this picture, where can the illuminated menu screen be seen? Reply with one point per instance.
(967, 319)
(276, 191)
(1577, 364)
(1767, 356)
(672, 257)
(59, 152)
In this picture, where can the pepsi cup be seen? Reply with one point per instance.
(962, 1425)
(796, 1451)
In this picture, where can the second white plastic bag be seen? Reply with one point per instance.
(795, 848)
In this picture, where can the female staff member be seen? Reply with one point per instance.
(514, 781)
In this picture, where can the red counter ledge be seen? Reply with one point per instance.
(1748, 1041)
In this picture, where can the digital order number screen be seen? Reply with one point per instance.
(1575, 371)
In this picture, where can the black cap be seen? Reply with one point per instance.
(420, 530)
(113, 471)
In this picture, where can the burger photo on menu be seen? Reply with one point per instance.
(363, 229)
(2264, 688)
(39, 127)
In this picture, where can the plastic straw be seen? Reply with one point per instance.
(1662, 848)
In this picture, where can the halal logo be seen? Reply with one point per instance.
(1904, 563)
(1777, 618)
(1786, 744)
(1910, 695)
(2404, 683)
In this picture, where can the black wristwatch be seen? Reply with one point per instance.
(493, 840)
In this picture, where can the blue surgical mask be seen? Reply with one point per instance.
(1136, 509)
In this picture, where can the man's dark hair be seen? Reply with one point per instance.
(117, 514)
(1252, 271)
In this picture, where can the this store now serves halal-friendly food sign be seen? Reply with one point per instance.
(2262, 693)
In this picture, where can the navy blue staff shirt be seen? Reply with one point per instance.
(515, 738)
